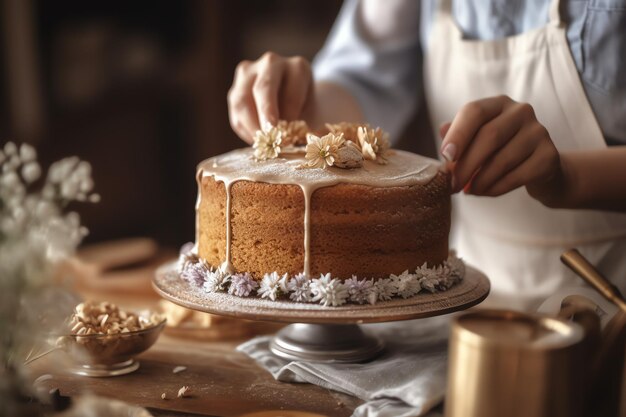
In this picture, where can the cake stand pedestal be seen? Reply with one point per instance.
(323, 334)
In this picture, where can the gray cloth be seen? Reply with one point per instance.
(408, 380)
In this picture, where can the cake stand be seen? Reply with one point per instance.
(323, 334)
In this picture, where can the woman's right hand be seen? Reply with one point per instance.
(266, 90)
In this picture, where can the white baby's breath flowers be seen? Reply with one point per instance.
(36, 233)
(267, 143)
(328, 291)
(374, 143)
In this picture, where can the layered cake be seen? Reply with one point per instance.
(344, 211)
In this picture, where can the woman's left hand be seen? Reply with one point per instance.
(496, 145)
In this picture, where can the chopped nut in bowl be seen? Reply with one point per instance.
(104, 339)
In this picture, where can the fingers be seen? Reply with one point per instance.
(242, 111)
(508, 158)
(269, 75)
(537, 167)
(529, 158)
(296, 88)
(443, 129)
(467, 122)
(489, 138)
(269, 89)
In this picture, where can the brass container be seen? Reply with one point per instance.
(505, 363)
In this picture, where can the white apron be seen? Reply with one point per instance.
(514, 239)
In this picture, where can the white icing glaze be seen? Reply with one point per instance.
(403, 169)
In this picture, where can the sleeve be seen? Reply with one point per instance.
(382, 73)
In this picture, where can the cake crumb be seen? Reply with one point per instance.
(182, 392)
(179, 369)
(164, 396)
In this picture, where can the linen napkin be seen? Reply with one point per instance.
(407, 380)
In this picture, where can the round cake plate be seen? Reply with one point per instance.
(323, 334)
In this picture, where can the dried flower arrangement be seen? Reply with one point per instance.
(325, 290)
(36, 233)
(346, 145)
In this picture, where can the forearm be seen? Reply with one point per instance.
(331, 103)
(590, 180)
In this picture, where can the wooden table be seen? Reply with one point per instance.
(223, 382)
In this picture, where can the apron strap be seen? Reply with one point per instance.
(555, 13)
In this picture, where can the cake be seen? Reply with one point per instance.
(343, 210)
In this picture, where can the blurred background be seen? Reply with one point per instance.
(139, 90)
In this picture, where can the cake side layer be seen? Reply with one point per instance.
(354, 229)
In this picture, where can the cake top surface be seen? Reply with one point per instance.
(402, 169)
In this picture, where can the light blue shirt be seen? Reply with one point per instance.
(386, 78)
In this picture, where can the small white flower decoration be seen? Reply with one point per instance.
(196, 272)
(385, 289)
(267, 143)
(359, 290)
(322, 152)
(428, 278)
(406, 284)
(299, 288)
(216, 281)
(186, 256)
(328, 291)
(270, 286)
(374, 143)
(242, 285)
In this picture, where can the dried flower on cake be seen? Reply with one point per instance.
(293, 132)
(349, 130)
(321, 152)
(406, 284)
(328, 291)
(196, 273)
(385, 289)
(267, 143)
(299, 288)
(359, 290)
(217, 281)
(456, 266)
(374, 144)
(186, 256)
(270, 286)
(242, 285)
(428, 278)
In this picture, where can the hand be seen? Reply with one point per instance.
(496, 145)
(267, 89)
